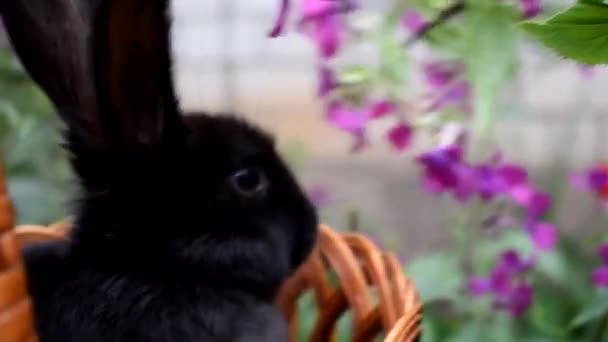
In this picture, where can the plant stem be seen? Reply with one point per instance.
(353, 221)
(445, 15)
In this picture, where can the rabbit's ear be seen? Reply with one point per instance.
(52, 40)
(133, 68)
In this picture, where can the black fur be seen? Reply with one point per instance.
(163, 248)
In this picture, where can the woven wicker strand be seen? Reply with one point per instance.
(360, 267)
(16, 323)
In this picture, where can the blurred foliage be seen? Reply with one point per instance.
(36, 166)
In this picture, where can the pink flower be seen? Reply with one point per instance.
(279, 25)
(413, 21)
(440, 74)
(510, 292)
(534, 201)
(441, 168)
(520, 299)
(603, 252)
(530, 8)
(382, 108)
(600, 276)
(327, 81)
(345, 118)
(350, 120)
(544, 235)
(314, 9)
(478, 286)
(446, 88)
(321, 20)
(400, 136)
(594, 179)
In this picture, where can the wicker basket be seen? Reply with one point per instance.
(16, 324)
(364, 273)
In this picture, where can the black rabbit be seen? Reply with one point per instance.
(186, 225)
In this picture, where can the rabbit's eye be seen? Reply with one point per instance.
(249, 182)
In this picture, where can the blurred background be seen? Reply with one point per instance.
(551, 120)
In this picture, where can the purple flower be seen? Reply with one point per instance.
(441, 168)
(544, 235)
(327, 81)
(445, 171)
(349, 120)
(539, 203)
(400, 136)
(328, 34)
(534, 201)
(382, 108)
(500, 281)
(597, 178)
(603, 252)
(511, 293)
(512, 175)
(456, 92)
(279, 25)
(530, 8)
(413, 21)
(354, 121)
(520, 299)
(314, 9)
(600, 276)
(478, 286)
(346, 118)
(319, 195)
(594, 179)
(439, 74)
(442, 77)
(467, 182)
(321, 20)
(489, 182)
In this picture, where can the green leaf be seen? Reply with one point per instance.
(552, 308)
(597, 306)
(579, 33)
(437, 276)
(490, 54)
(448, 38)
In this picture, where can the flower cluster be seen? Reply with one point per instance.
(507, 283)
(445, 170)
(595, 180)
